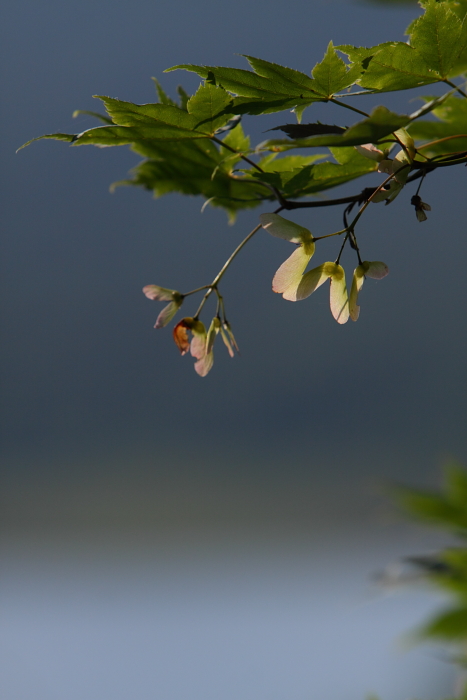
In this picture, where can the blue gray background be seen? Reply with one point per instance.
(169, 536)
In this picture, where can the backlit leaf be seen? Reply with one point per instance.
(436, 51)
(357, 283)
(272, 87)
(313, 279)
(289, 275)
(332, 74)
(440, 37)
(209, 107)
(339, 299)
(167, 314)
(57, 137)
(283, 228)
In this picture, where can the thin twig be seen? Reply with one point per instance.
(213, 286)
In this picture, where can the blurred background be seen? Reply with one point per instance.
(166, 536)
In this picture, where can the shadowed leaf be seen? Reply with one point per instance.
(301, 131)
(372, 129)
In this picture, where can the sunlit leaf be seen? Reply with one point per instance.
(198, 342)
(437, 50)
(357, 284)
(57, 137)
(204, 365)
(289, 275)
(271, 87)
(231, 337)
(209, 106)
(283, 228)
(213, 330)
(332, 74)
(155, 293)
(282, 88)
(440, 36)
(339, 299)
(313, 279)
(406, 140)
(370, 151)
(226, 341)
(167, 314)
(375, 269)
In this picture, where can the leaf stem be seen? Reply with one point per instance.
(365, 114)
(353, 94)
(232, 150)
(445, 138)
(337, 233)
(342, 247)
(456, 159)
(198, 289)
(326, 203)
(273, 189)
(354, 109)
(453, 85)
(370, 198)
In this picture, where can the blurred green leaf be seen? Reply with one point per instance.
(447, 508)
(300, 175)
(236, 139)
(195, 167)
(450, 625)
(452, 121)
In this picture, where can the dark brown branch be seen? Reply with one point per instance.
(355, 198)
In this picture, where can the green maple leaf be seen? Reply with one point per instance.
(298, 176)
(197, 167)
(437, 51)
(131, 123)
(332, 74)
(452, 122)
(271, 87)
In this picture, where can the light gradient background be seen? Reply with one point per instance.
(170, 537)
